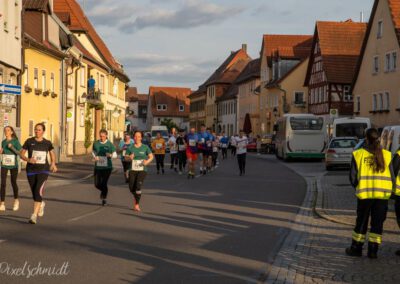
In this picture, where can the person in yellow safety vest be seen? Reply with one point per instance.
(371, 174)
(396, 169)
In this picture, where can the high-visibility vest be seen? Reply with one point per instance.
(371, 184)
(397, 190)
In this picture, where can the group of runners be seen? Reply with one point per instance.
(186, 149)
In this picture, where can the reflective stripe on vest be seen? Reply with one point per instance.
(397, 191)
(372, 185)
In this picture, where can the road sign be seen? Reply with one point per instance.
(70, 116)
(10, 89)
(334, 113)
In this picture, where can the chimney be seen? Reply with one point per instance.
(361, 17)
(244, 47)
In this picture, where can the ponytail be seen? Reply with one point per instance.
(375, 148)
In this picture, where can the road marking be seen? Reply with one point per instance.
(86, 215)
(2, 241)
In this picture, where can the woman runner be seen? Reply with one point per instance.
(158, 146)
(123, 145)
(10, 148)
(103, 151)
(38, 167)
(180, 141)
(140, 155)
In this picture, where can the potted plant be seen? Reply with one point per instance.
(53, 95)
(28, 89)
(46, 93)
(38, 92)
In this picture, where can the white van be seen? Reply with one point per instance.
(393, 144)
(351, 127)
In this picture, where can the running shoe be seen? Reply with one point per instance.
(41, 211)
(2, 207)
(162, 171)
(180, 173)
(16, 205)
(136, 208)
(104, 202)
(33, 219)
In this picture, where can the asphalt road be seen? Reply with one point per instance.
(221, 228)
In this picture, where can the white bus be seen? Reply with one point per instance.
(350, 127)
(300, 136)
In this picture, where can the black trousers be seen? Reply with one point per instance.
(136, 179)
(36, 183)
(101, 181)
(242, 162)
(214, 158)
(174, 160)
(397, 209)
(160, 161)
(182, 160)
(233, 150)
(127, 165)
(224, 153)
(14, 175)
(377, 209)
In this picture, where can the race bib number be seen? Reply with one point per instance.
(224, 145)
(174, 148)
(192, 142)
(215, 149)
(209, 143)
(8, 160)
(123, 153)
(102, 162)
(182, 147)
(137, 165)
(202, 140)
(158, 146)
(40, 157)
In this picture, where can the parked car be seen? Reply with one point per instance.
(339, 152)
(252, 145)
(268, 144)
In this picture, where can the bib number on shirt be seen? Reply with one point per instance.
(102, 162)
(182, 147)
(8, 160)
(224, 145)
(137, 165)
(40, 157)
(215, 149)
(158, 146)
(192, 142)
(123, 153)
(209, 144)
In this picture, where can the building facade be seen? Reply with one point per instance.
(228, 111)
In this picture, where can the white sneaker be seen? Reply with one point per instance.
(41, 211)
(33, 219)
(2, 207)
(16, 205)
(180, 173)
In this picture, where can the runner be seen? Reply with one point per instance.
(158, 146)
(180, 141)
(203, 138)
(224, 146)
(103, 151)
(10, 148)
(140, 156)
(38, 167)
(123, 145)
(173, 149)
(209, 150)
(192, 140)
(233, 145)
(215, 145)
(241, 141)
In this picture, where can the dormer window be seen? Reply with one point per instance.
(181, 108)
(161, 107)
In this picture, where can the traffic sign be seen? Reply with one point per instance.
(334, 113)
(10, 89)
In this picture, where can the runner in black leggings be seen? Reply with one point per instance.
(38, 167)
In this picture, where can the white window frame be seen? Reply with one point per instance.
(381, 101)
(44, 83)
(375, 64)
(394, 61)
(388, 62)
(387, 100)
(379, 33)
(181, 108)
(36, 78)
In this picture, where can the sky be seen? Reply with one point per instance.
(181, 42)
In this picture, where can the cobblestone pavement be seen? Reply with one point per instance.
(314, 250)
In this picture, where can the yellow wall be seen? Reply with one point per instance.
(248, 103)
(265, 122)
(369, 83)
(37, 107)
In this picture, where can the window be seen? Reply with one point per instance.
(36, 78)
(52, 84)
(83, 76)
(31, 126)
(181, 108)
(374, 102)
(358, 104)
(380, 101)
(26, 75)
(380, 29)
(394, 61)
(161, 107)
(44, 80)
(347, 96)
(375, 69)
(299, 97)
(387, 101)
(388, 64)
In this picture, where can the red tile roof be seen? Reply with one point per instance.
(287, 46)
(172, 97)
(340, 44)
(131, 95)
(252, 71)
(394, 6)
(78, 23)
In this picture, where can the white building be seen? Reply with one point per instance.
(227, 111)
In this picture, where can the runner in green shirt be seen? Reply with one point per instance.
(141, 156)
(10, 148)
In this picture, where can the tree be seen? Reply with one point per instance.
(169, 123)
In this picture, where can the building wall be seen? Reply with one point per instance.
(213, 92)
(248, 104)
(262, 98)
(227, 112)
(179, 121)
(382, 82)
(196, 118)
(32, 110)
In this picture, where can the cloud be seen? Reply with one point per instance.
(193, 13)
(148, 59)
(111, 15)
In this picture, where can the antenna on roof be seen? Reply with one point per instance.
(361, 17)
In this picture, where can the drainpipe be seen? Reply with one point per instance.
(76, 106)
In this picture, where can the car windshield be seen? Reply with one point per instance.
(306, 123)
(343, 143)
(164, 133)
(351, 129)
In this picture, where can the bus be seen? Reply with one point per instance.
(300, 136)
(350, 127)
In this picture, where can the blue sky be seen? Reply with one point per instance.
(181, 42)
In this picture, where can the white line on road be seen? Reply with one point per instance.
(86, 215)
(2, 241)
